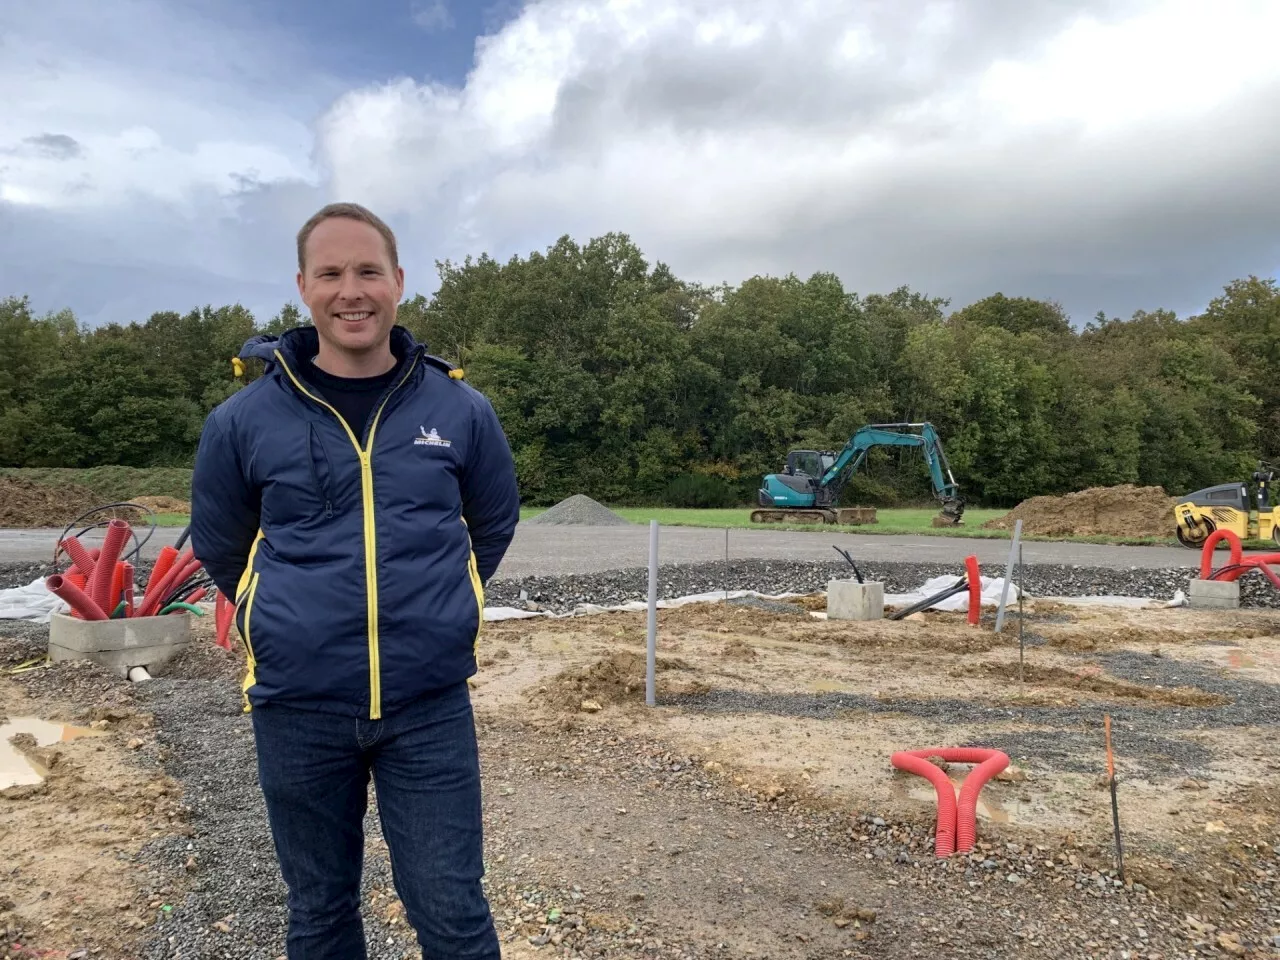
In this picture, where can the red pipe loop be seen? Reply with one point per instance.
(974, 576)
(77, 598)
(957, 821)
(1211, 544)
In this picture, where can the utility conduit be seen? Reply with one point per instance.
(974, 576)
(957, 824)
(1239, 564)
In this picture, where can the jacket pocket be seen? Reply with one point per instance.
(321, 468)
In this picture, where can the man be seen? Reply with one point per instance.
(354, 500)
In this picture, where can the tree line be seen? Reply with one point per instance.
(615, 378)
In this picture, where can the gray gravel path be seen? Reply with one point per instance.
(237, 908)
(557, 550)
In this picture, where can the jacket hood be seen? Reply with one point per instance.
(304, 341)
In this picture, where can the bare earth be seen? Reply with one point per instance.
(754, 813)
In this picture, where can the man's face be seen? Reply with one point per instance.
(349, 285)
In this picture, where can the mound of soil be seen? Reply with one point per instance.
(618, 678)
(24, 503)
(580, 511)
(1122, 511)
(163, 504)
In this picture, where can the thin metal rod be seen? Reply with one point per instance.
(726, 565)
(1015, 548)
(1021, 619)
(652, 651)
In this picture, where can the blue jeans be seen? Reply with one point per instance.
(314, 770)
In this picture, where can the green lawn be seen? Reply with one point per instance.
(890, 521)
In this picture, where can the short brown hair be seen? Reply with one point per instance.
(351, 211)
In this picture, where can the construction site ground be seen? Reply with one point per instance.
(752, 812)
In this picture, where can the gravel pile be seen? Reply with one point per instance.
(580, 511)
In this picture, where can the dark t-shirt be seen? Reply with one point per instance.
(353, 397)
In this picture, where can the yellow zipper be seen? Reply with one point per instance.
(250, 677)
(370, 527)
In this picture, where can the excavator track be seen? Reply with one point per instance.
(843, 516)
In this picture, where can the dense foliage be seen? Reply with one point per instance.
(615, 378)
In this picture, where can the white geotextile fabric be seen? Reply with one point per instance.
(33, 602)
(991, 587)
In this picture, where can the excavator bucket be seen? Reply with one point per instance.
(951, 514)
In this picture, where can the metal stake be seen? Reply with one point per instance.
(726, 565)
(653, 613)
(1015, 549)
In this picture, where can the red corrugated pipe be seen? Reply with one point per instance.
(223, 614)
(81, 560)
(944, 833)
(957, 826)
(974, 576)
(164, 562)
(79, 581)
(1239, 564)
(77, 598)
(105, 567)
(183, 568)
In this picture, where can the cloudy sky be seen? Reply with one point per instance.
(1109, 154)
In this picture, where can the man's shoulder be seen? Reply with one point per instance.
(438, 369)
(231, 412)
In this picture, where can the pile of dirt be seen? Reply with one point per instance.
(1121, 511)
(580, 511)
(24, 503)
(163, 504)
(618, 678)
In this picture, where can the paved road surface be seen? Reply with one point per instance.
(552, 550)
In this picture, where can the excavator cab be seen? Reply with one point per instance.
(809, 463)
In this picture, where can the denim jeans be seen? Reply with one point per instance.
(314, 769)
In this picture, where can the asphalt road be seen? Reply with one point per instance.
(554, 550)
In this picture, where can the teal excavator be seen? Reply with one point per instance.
(810, 488)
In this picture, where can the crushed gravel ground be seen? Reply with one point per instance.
(775, 576)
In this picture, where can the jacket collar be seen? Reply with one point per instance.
(304, 342)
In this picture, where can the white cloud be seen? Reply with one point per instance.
(1109, 153)
(961, 146)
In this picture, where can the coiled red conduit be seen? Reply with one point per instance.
(957, 825)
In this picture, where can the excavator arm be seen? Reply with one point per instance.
(855, 453)
(802, 495)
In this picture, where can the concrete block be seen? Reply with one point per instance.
(1214, 595)
(851, 600)
(120, 644)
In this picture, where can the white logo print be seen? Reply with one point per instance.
(431, 439)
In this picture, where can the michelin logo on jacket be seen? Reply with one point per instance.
(431, 439)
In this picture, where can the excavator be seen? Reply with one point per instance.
(1228, 506)
(807, 492)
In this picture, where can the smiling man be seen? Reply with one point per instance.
(354, 500)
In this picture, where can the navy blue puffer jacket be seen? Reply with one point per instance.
(358, 563)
